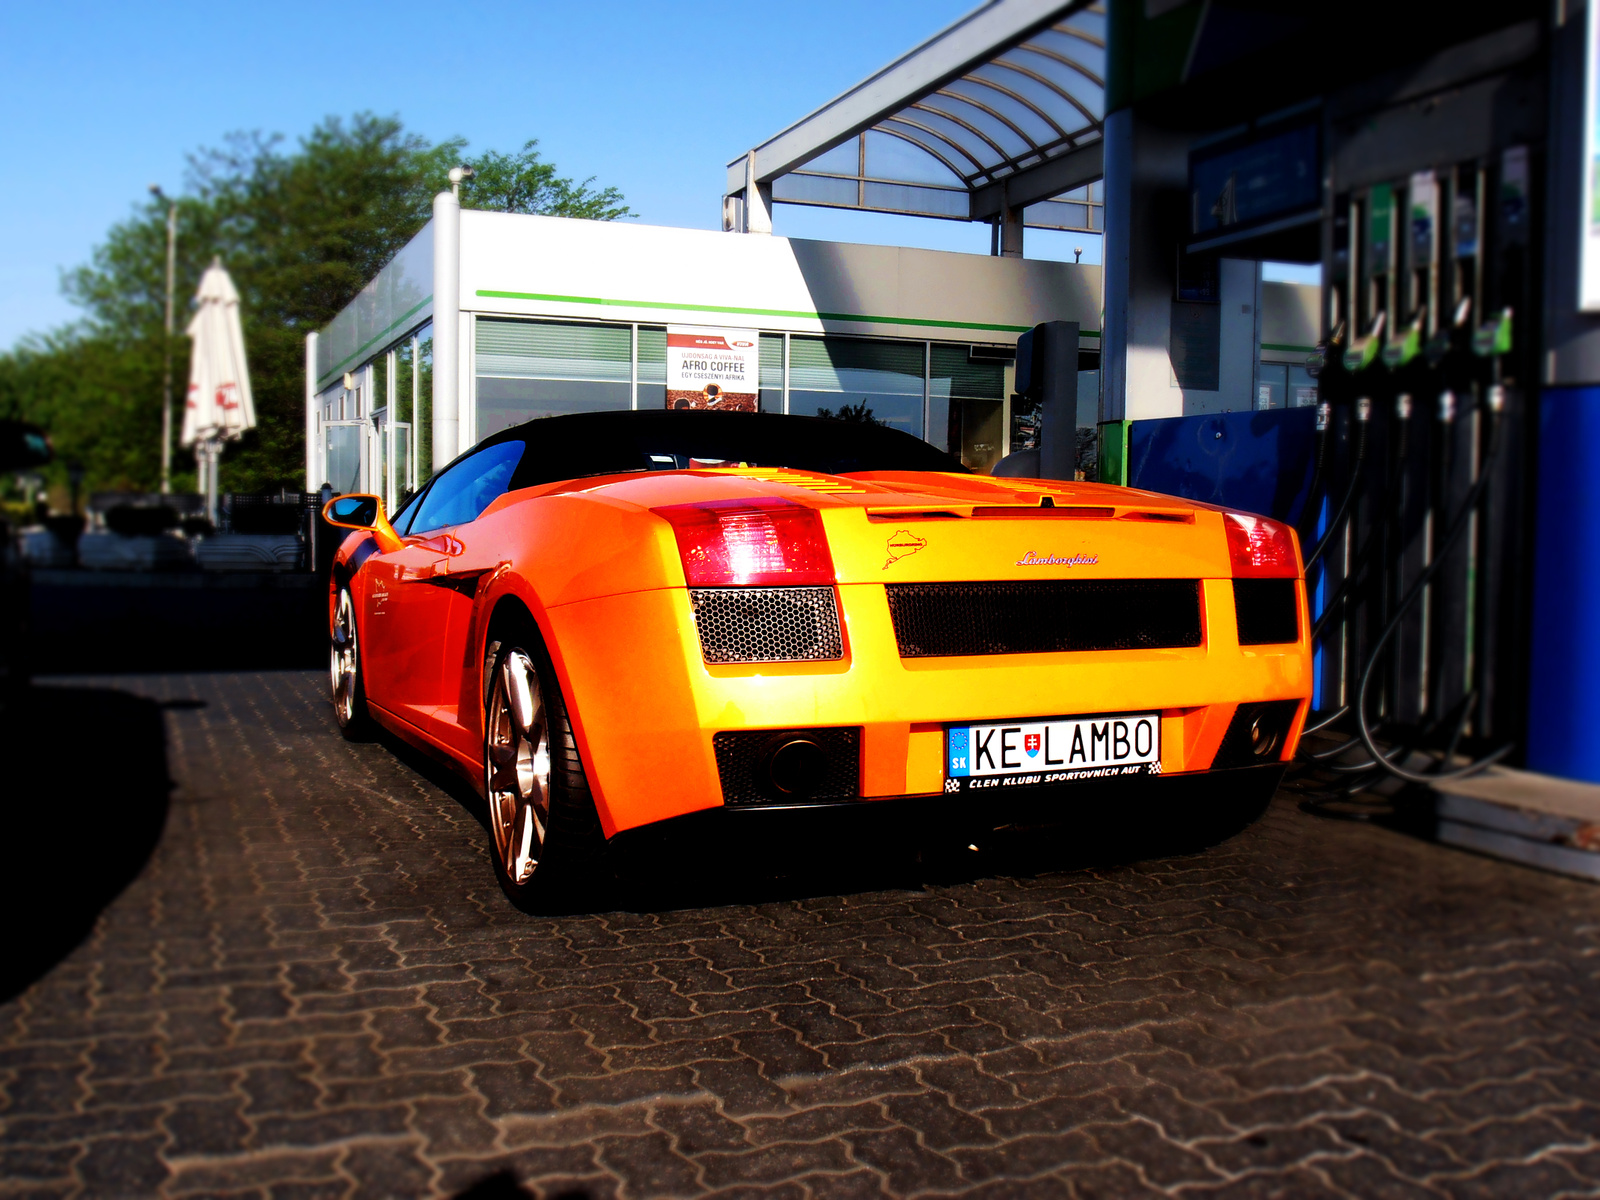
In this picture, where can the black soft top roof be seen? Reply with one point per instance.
(611, 443)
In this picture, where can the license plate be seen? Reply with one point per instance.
(1016, 754)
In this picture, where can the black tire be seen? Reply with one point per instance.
(563, 864)
(346, 679)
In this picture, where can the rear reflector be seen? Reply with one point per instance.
(750, 543)
(1260, 548)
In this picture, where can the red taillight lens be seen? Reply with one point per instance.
(766, 543)
(1259, 548)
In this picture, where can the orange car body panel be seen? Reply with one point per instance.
(601, 575)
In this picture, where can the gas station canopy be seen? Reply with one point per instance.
(999, 117)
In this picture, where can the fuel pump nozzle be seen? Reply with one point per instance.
(1493, 337)
(1451, 337)
(1491, 341)
(1407, 344)
(1364, 349)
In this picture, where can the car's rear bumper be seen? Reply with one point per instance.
(646, 706)
(1158, 810)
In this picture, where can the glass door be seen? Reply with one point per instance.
(343, 454)
(383, 458)
(402, 470)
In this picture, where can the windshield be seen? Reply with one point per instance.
(613, 443)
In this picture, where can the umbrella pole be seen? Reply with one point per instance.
(211, 481)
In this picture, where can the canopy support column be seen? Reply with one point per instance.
(446, 328)
(1010, 227)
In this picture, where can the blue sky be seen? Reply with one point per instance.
(101, 100)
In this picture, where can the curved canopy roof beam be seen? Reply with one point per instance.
(919, 106)
(1071, 64)
(1066, 29)
(993, 112)
(926, 149)
(1055, 87)
(900, 119)
(1020, 99)
(1006, 100)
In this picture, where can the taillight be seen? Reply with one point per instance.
(1260, 548)
(762, 543)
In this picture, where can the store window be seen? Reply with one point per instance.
(529, 369)
(967, 402)
(1302, 389)
(1284, 385)
(414, 397)
(652, 366)
(771, 372)
(857, 378)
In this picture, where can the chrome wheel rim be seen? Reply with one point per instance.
(343, 660)
(517, 765)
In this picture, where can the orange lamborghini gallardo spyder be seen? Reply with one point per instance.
(624, 621)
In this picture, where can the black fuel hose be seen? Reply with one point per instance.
(1332, 718)
(1313, 493)
(1363, 419)
(1458, 526)
(1358, 564)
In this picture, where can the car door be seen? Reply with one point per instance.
(399, 645)
(428, 596)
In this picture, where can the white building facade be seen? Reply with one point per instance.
(485, 320)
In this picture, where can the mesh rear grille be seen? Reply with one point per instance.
(742, 757)
(934, 619)
(746, 625)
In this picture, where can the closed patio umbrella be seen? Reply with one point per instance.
(219, 406)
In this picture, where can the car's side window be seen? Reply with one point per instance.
(407, 513)
(469, 487)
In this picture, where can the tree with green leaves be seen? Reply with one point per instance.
(301, 230)
(525, 183)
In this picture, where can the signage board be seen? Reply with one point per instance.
(1258, 180)
(713, 368)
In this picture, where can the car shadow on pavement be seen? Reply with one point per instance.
(666, 873)
(87, 790)
(700, 866)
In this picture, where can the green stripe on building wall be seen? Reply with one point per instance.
(796, 314)
(338, 368)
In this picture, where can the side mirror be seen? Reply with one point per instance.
(356, 512)
(361, 511)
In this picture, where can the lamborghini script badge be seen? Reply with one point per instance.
(901, 543)
(1030, 559)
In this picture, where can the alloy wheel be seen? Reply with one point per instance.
(517, 765)
(344, 659)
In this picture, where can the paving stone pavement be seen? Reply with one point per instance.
(315, 988)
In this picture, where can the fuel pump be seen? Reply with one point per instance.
(1417, 580)
(1490, 343)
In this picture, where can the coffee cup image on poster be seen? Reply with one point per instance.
(713, 368)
